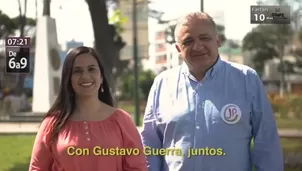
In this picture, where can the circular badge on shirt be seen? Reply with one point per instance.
(230, 113)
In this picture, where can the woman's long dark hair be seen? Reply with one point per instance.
(64, 104)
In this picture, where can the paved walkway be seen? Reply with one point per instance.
(32, 128)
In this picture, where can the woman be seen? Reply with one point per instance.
(83, 131)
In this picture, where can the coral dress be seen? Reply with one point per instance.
(113, 144)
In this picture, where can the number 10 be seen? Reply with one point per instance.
(261, 17)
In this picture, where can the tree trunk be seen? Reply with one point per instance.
(282, 74)
(22, 17)
(103, 40)
(282, 46)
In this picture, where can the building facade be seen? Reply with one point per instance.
(142, 30)
(271, 78)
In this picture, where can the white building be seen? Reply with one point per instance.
(159, 51)
(142, 30)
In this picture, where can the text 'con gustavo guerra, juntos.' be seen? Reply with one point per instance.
(148, 151)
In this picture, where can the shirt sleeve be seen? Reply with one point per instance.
(41, 158)
(267, 153)
(150, 132)
(132, 140)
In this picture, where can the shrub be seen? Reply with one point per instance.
(296, 106)
(146, 80)
(289, 104)
(127, 84)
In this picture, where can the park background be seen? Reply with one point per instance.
(275, 51)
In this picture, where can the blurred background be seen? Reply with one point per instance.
(139, 36)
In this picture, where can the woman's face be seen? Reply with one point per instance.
(86, 76)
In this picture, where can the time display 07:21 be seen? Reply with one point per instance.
(17, 41)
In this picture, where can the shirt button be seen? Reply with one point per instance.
(88, 139)
(87, 133)
(197, 127)
(85, 122)
(86, 127)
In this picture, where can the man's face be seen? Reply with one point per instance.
(198, 44)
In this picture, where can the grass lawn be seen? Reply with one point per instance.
(16, 151)
(130, 108)
(292, 144)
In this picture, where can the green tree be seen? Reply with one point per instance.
(221, 30)
(22, 17)
(117, 21)
(145, 82)
(105, 40)
(270, 41)
(297, 51)
(7, 25)
(267, 42)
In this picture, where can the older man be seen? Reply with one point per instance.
(210, 109)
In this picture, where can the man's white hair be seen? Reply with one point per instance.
(183, 20)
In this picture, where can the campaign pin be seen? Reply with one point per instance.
(231, 114)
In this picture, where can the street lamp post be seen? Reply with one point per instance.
(135, 58)
(201, 5)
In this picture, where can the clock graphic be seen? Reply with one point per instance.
(17, 42)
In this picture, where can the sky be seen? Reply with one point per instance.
(68, 13)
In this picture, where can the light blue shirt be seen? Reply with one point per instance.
(226, 110)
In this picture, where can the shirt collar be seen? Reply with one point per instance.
(211, 72)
